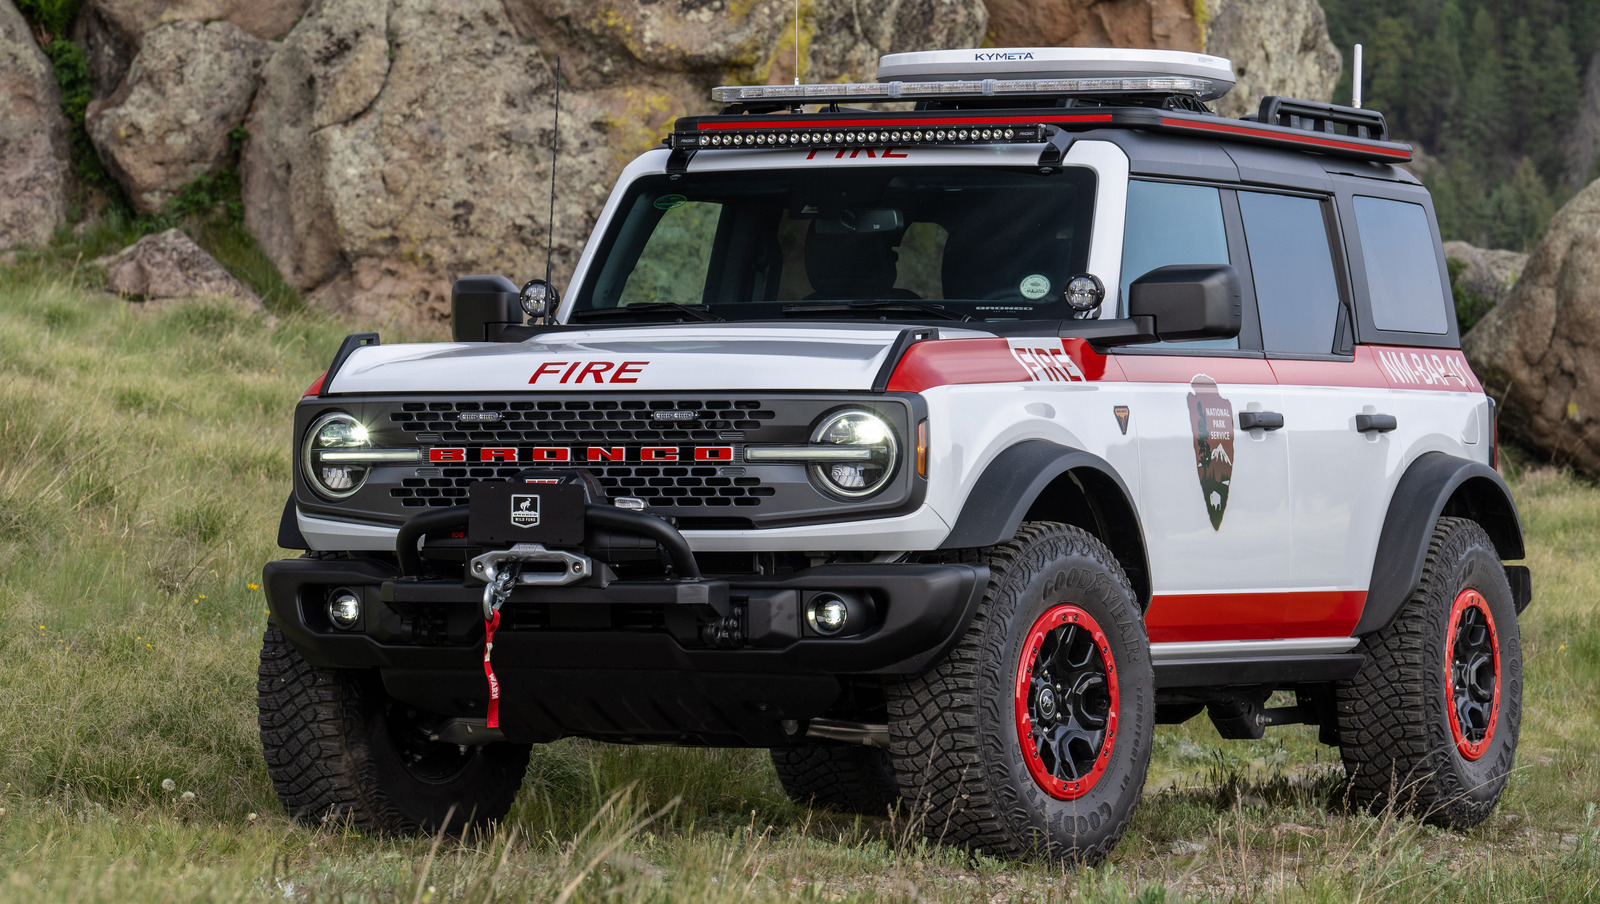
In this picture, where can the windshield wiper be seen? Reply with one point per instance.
(694, 311)
(901, 305)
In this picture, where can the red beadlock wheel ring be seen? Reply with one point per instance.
(1066, 702)
(1471, 644)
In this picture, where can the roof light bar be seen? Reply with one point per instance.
(848, 135)
(989, 87)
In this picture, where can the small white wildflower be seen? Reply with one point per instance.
(250, 816)
(168, 784)
(188, 795)
(2, 811)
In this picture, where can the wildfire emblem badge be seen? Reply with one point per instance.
(1211, 417)
(525, 510)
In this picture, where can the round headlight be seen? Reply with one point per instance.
(867, 457)
(335, 432)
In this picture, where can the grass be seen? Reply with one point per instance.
(143, 463)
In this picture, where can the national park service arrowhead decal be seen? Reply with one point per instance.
(1211, 417)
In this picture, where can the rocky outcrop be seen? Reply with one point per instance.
(396, 144)
(1538, 352)
(1485, 275)
(169, 265)
(33, 138)
(113, 31)
(1159, 24)
(1277, 47)
(169, 121)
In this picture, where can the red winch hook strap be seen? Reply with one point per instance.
(489, 625)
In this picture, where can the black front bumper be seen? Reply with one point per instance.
(629, 661)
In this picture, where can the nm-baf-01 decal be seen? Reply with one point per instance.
(596, 454)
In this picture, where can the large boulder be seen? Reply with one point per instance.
(397, 144)
(1485, 275)
(33, 138)
(169, 265)
(1538, 352)
(190, 85)
(1158, 24)
(114, 31)
(1277, 47)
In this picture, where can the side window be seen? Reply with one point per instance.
(1297, 294)
(674, 263)
(1402, 266)
(1168, 223)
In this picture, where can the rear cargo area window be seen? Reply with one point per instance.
(1292, 263)
(1402, 267)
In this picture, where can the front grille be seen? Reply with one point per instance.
(657, 485)
(606, 422)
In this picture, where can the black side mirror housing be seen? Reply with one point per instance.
(481, 307)
(1189, 301)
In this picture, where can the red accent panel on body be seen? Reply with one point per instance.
(1184, 368)
(316, 388)
(1182, 617)
(1385, 367)
(947, 362)
(1297, 139)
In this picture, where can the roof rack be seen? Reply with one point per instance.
(1028, 96)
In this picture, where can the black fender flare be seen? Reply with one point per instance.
(1434, 486)
(1018, 478)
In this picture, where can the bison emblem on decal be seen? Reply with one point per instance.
(1211, 417)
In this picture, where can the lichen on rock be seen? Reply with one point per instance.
(33, 138)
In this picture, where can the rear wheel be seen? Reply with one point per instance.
(1430, 722)
(338, 748)
(851, 779)
(1033, 736)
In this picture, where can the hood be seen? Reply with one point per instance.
(730, 357)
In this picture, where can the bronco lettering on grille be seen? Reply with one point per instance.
(654, 454)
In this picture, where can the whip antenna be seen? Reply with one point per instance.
(1355, 81)
(555, 143)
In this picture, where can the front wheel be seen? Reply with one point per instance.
(338, 748)
(1430, 722)
(1033, 736)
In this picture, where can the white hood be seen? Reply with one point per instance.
(729, 357)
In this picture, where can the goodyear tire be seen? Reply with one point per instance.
(850, 779)
(338, 749)
(1429, 725)
(1033, 736)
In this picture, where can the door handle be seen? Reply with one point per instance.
(1382, 423)
(1260, 420)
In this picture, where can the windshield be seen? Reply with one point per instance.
(899, 242)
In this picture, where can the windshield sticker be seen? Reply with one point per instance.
(1035, 286)
(670, 202)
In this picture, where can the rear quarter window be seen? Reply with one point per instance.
(1402, 266)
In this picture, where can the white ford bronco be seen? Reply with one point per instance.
(943, 447)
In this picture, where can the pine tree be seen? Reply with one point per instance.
(1554, 104)
(1388, 58)
(1436, 78)
(1520, 209)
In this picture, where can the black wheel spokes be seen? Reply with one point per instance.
(1069, 703)
(1472, 674)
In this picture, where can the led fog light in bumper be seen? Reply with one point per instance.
(344, 608)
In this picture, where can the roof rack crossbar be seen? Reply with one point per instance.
(1316, 116)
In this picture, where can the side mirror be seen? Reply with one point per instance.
(482, 306)
(1189, 301)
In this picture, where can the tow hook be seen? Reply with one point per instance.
(536, 566)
